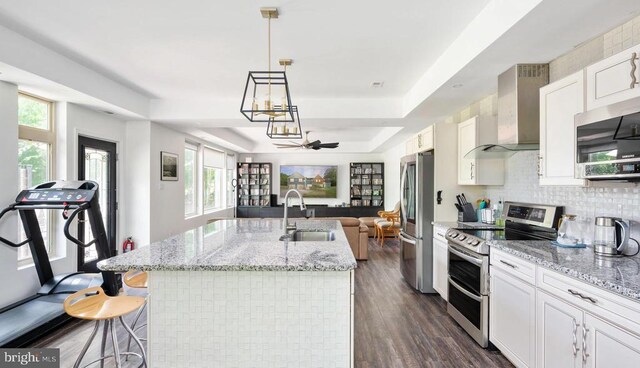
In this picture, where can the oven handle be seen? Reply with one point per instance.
(475, 261)
(465, 292)
(406, 240)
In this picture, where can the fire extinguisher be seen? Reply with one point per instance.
(128, 245)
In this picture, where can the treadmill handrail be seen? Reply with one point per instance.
(48, 206)
(68, 235)
(7, 241)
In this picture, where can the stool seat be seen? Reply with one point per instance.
(135, 279)
(388, 224)
(100, 306)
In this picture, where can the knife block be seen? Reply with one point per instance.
(468, 214)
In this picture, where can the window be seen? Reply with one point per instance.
(190, 182)
(36, 147)
(231, 176)
(212, 174)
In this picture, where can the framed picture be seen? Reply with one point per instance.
(311, 181)
(168, 166)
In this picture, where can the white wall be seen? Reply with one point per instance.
(392, 175)
(342, 160)
(155, 207)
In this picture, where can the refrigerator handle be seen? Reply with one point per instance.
(403, 179)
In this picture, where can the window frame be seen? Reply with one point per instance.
(46, 136)
(218, 184)
(196, 180)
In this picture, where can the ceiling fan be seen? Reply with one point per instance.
(315, 145)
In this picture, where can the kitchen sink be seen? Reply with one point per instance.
(313, 235)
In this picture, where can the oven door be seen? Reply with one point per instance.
(468, 300)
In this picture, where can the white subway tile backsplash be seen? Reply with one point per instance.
(521, 185)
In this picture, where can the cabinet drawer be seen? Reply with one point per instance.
(616, 309)
(513, 265)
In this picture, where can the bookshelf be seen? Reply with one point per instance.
(367, 184)
(254, 184)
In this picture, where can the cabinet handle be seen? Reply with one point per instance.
(575, 337)
(539, 166)
(582, 296)
(472, 170)
(634, 81)
(509, 264)
(584, 344)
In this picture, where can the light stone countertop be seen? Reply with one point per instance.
(620, 275)
(241, 245)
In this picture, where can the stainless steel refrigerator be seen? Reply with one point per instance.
(417, 209)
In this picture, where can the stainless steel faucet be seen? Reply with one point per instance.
(303, 207)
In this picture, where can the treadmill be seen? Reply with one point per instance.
(27, 320)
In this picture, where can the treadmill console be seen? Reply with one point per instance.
(50, 195)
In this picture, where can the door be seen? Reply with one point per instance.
(408, 259)
(512, 317)
(440, 268)
(559, 102)
(614, 79)
(466, 142)
(608, 345)
(408, 195)
(97, 162)
(559, 333)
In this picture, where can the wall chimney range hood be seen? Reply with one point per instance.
(518, 112)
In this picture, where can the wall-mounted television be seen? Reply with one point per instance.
(313, 181)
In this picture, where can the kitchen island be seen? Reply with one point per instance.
(232, 294)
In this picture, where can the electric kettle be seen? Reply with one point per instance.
(611, 236)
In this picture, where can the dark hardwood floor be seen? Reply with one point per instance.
(395, 326)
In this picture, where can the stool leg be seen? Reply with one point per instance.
(133, 326)
(86, 346)
(135, 338)
(103, 345)
(116, 348)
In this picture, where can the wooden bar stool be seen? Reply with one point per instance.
(136, 280)
(93, 304)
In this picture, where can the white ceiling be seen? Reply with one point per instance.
(203, 48)
(189, 58)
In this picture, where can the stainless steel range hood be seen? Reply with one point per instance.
(518, 112)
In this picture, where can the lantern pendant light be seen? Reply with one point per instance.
(284, 129)
(266, 97)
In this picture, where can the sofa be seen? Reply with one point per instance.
(357, 234)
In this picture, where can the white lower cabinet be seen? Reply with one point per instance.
(609, 346)
(440, 267)
(512, 307)
(560, 322)
(559, 333)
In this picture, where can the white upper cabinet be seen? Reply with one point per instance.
(614, 79)
(425, 139)
(471, 171)
(559, 103)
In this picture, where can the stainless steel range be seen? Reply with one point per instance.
(469, 261)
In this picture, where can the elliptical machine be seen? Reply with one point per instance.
(28, 319)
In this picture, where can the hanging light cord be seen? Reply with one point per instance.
(269, 54)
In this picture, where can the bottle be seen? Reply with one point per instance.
(497, 213)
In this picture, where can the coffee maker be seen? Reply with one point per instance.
(611, 236)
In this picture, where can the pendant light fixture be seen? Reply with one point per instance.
(284, 129)
(266, 97)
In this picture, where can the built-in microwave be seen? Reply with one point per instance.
(608, 142)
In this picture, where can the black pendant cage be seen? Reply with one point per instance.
(267, 84)
(285, 130)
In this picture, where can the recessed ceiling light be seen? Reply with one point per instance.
(377, 84)
(457, 85)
